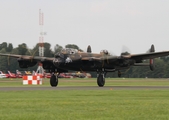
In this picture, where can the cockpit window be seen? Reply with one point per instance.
(104, 52)
(69, 51)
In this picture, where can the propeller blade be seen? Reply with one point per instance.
(152, 49)
(125, 51)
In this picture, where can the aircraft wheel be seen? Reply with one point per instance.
(100, 80)
(53, 81)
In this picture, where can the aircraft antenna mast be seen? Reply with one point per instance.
(41, 37)
(40, 69)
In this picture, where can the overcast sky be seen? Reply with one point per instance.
(103, 24)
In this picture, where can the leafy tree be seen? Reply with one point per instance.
(159, 68)
(48, 52)
(3, 45)
(0, 46)
(35, 50)
(3, 59)
(73, 46)
(22, 49)
(9, 48)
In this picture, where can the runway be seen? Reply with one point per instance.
(31, 88)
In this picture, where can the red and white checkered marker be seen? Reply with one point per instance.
(32, 80)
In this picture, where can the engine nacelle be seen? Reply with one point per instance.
(26, 63)
(48, 65)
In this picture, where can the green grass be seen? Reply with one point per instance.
(85, 104)
(93, 82)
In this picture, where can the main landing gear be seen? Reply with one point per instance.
(54, 80)
(101, 79)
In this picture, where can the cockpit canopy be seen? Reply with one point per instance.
(69, 51)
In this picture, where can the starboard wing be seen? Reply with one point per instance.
(27, 57)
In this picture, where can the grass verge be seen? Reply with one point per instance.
(85, 104)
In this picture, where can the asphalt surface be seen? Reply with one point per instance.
(29, 88)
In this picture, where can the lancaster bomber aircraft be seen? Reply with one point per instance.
(72, 59)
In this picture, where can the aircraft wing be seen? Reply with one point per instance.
(144, 56)
(103, 58)
(136, 57)
(27, 57)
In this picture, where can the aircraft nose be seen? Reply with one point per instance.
(59, 55)
(57, 61)
(59, 58)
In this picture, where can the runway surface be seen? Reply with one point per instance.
(29, 88)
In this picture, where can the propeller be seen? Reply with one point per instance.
(104, 54)
(152, 49)
(125, 51)
(32, 54)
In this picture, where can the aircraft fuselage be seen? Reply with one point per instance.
(74, 62)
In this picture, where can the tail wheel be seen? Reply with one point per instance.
(100, 80)
(53, 81)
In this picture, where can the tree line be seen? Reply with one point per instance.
(11, 64)
(7, 63)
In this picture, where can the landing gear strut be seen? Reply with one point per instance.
(54, 80)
